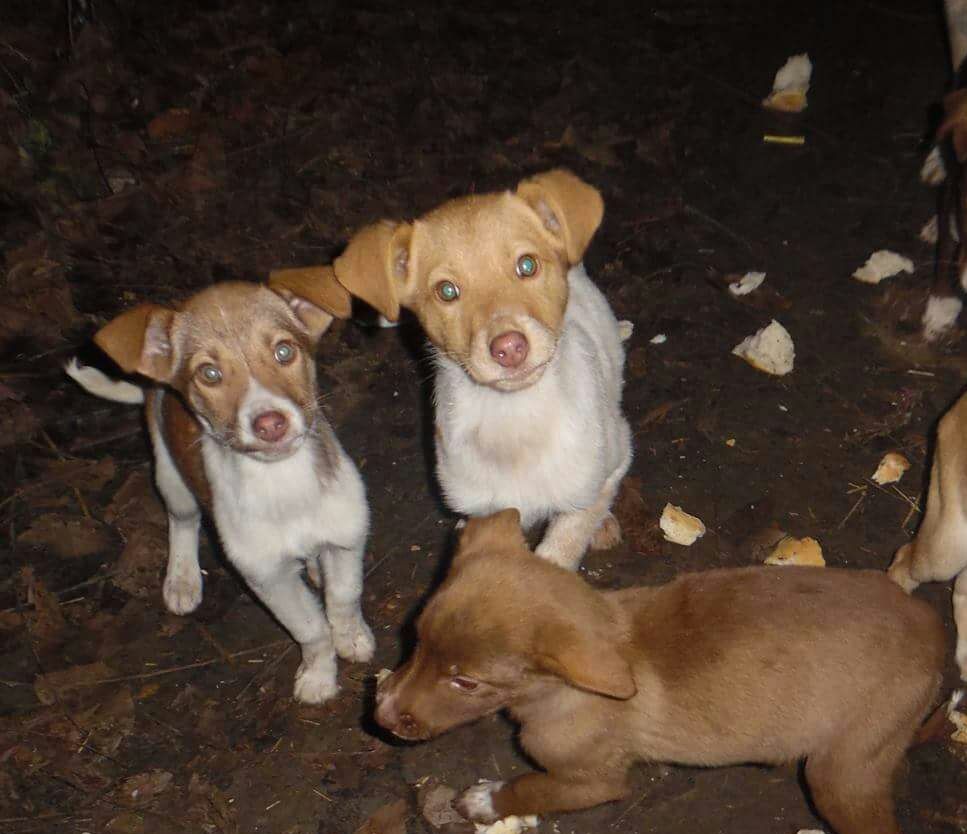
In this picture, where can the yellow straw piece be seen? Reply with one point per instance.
(773, 139)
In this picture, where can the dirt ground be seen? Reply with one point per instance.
(148, 149)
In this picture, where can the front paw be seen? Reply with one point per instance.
(477, 803)
(182, 592)
(316, 683)
(353, 640)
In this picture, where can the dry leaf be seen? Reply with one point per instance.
(52, 686)
(172, 123)
(87, 475)
(45, 623)
(142, 561)
(390, 819)
(141, 790)
(70, 537)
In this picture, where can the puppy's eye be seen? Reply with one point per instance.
(447, 291)
(284, 352)
(463, 684)
(209, 374)
(528, 266)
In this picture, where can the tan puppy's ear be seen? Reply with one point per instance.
(314, 295)
(569, 208)
(139, 340)
(500, 530)
(376, 266)
(585, 660)
(955, 122)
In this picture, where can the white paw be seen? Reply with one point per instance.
(182, 592)
(933, 171)
(477, 803)
(353, 640)
(316, 683)
(625, 329)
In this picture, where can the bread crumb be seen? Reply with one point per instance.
(747, 283)
(509, 825)
(957, 718)
(679, 527)
(791, 85)
(882, 264)
(891, 468)
(770, 350)
(791, 551)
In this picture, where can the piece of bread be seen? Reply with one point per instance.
(792, 551)
(891, 468)
(770, 350)
(679, 527)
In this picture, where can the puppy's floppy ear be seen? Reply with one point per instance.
(569, 208)
(579, 654)
(377, 264)
(140, 341)
(955, 122)
(314, 295)
(499, 530)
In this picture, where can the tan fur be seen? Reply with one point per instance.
(715, 668)
(474, 242)
(939, 551)
(954, 124)
(234, 326)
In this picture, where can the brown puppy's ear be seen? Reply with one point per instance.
(585, 660)
(569, 208)
(139, 340)
(500, 530)
(376, 266)
(955, 122)
(314, 295)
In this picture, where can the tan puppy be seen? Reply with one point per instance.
(529, 356)
(716, 668)
(939, 551)
(237, 431)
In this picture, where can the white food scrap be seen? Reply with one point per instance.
(679, 527)
(791, 85)
(747, 283)
(509, 825)
(882, 264)
(891, 468)
(660, 339)
(791, 551)
(770, 350)
(382, 675)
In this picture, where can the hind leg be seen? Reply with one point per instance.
(853, 795)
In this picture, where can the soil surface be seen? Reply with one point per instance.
(149, 149)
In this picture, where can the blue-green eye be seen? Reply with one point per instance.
(447, 291)
(210, 374)
(528, 266)
(284, 353)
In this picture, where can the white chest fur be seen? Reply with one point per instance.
(548, 448)
(281, 510)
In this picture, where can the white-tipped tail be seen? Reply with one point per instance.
(101, 385)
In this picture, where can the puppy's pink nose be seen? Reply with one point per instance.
(270, 426)
(509, 349)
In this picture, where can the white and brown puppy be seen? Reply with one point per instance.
(939, 551)
(716, 668)
(529, 356)
(237, 431)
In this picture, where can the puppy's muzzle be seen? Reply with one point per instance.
(270, 426)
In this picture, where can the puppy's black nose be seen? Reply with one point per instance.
(270, 426)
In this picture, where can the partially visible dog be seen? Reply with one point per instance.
(938, 553)
(945, 167)
(237, 431)
(529, 356)
(716, 668)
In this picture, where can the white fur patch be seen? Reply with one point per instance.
(101, 385)
(933, 170)
(477, 803)
(940, 315)
(257, 400)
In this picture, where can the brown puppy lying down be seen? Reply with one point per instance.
(722, 667)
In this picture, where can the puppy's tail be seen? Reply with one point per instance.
(101, 385)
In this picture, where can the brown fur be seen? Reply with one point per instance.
(722, 667)
(235, 326)
(474, 242)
